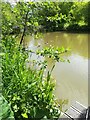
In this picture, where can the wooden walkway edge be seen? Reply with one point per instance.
(76, 112)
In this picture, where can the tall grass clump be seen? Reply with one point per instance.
(29, 93)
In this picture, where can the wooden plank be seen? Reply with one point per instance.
(79, 107)
(65, 116)
(72, 113)
(76, 110)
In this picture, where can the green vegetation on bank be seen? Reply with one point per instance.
(28, 90)
(33, 17)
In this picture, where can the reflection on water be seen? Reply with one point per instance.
(71, 78)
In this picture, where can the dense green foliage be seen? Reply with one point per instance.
(44, 16)
(26, 89)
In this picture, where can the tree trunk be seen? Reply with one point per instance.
(25, 25)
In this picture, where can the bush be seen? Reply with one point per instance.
(27, 90)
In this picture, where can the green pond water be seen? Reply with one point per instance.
(71, 78)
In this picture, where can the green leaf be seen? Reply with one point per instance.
(5, 110)
(68, 61)
(24, 115)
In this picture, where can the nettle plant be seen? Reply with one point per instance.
(29, 92)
